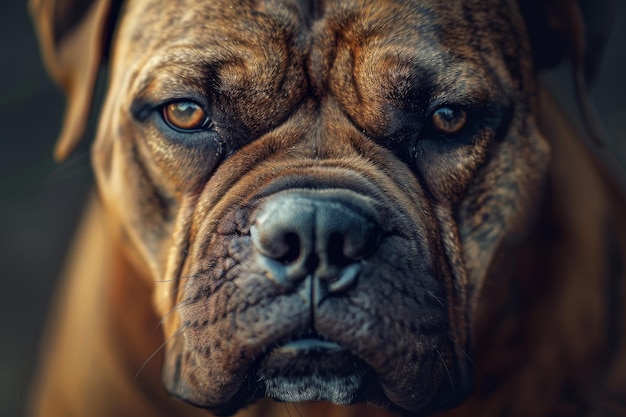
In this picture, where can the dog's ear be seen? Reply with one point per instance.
(74, 36)
(575, 30)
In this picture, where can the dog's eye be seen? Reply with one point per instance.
(449, 120)
(186, 116)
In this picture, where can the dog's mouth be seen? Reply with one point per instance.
(312, 369)
(308, 368)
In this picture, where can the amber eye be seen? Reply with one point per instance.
(449, 120)
(185, 115)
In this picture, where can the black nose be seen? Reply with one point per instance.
(324, 234)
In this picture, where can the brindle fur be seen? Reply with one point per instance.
(502, 256)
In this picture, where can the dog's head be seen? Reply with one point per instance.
(317, 190)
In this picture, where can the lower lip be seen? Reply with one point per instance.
(305, 356)
(304, 346)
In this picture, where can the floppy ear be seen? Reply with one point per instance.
(74, 36)
(559, 29)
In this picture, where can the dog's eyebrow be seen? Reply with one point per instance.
(440, 77)
(182, 70)
(475, 95)
(469, 84)
(170, 82)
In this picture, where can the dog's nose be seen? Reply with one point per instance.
(323, 234)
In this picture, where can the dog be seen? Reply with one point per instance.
(359, 207)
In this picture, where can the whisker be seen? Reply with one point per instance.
(175, 334)
(469, 358)
(183, 303)
(295, 406)
(447, 371)
(287, 409)
(442, 301)
(177, 278)
(68, 168)
(187, 381)
(250, 380)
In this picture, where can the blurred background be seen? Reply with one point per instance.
(41, 201)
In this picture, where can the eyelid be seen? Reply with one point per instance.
(477, 95)
(148, 102)
(183, 100)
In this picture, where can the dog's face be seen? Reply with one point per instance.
(318, 191)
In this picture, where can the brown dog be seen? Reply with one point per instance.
(352, 202)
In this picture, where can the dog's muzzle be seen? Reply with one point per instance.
(316, 293)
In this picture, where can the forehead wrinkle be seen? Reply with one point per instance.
(213, 23)
(249, 36)
(364, 30)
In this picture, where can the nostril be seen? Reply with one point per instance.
(283, 247)
(335, 249)
(291, 242)
(356, 239)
